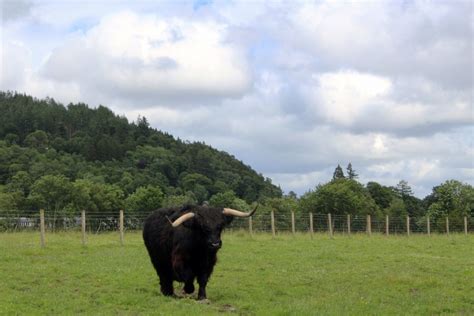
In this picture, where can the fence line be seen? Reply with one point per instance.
(262, 222)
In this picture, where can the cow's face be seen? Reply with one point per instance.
(208, 223)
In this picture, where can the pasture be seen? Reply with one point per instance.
(288, 275)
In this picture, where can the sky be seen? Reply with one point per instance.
(291, 88)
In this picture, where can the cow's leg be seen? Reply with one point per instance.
(202, 281)
(184, 273)
(166, 276)
(166, 286)
(189, 287)
(187, 276)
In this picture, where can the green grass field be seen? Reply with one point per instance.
(254, 276)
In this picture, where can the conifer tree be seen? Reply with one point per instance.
(338, 173)
(351, 174)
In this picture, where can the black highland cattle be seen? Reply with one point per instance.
(183, 244)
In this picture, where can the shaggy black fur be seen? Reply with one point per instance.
(188, 251)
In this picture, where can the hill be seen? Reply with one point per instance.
(93, 147)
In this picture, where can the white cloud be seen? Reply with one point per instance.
(14, 64)
(389, 38)
(341, 97)
(379, 145)
(144, 58)
(12, 10)
(17, 74)
(364, 102)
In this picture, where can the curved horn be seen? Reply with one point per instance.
(182, 219)
(231, 212)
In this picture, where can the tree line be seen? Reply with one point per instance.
(68, 158)
(345, 195)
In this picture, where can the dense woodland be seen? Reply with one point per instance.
(68, 158)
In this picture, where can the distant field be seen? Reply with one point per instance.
(289, 275)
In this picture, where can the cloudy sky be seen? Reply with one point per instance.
(291, 88)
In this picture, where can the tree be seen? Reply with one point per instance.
(223, 199)
(20, 186)
(351, 174)
(198, 184)
(397, 208)
(382, 195)
(53, 193)
(189, 181)
(338, 173)
(203, 163)
(21, 182)
(240, 204)
(292, 195)
(144, 200)
(200, 192)
(452, 198)
(339, 197)
(179, 200)
(107, 147)
(412, 203)
(7, 202)
(12, 139)
(96, 197)
(143, 127)
(82, 195)
(403, 189)
(38, 140)
(108, 198)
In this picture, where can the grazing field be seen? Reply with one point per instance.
(258, 275)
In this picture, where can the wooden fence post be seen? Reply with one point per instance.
(465, 225)
(121, 227)
(311, 230)
(293, 222)
(83, 227)
(428, 225)
(369, 225)
(348, 224)
(250, 225)
(387, 227)
(330, 225)
(273, 223)
(447, 225)
(408, 225)
(42, 229)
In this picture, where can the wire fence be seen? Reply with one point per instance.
(13, 221)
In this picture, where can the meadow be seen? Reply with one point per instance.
(255, 275)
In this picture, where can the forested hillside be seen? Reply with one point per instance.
(51, 153)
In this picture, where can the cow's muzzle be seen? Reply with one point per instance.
(215, 245)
